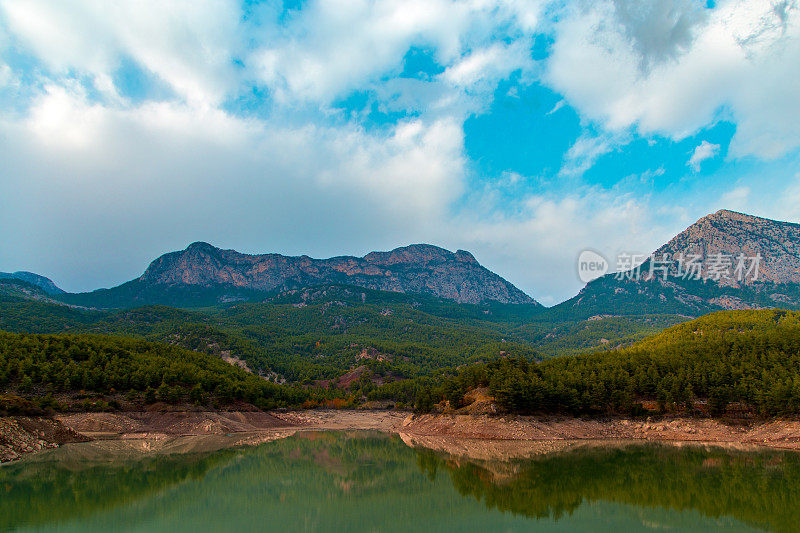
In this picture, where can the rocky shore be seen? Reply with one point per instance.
(510, 435)
(783, 434)
(22, 434)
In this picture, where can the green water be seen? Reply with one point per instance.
(361, 481)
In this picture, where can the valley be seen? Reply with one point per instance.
(281, 345)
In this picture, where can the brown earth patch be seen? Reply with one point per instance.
(482, 436)
(775, 434)
(23, 434)
(152, 423)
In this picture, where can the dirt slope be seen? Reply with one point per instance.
(22, 434)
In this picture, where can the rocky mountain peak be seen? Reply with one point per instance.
(202, 247)
(466, 257)
(708, 266)
(418, 268)
(414, 253)
(732, 237)
(732, 215)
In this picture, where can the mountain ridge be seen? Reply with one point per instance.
(204, 275)
(232, 275)
(44, 283)
(717, 243)
(777, 242)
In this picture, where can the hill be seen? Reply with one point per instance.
(96, 372)
(43, 283)
(319, 334)
(304, 336)
(730, 361)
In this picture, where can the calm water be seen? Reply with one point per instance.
(360, 481)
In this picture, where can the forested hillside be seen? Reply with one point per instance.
(321, 333)
(337, 342)
(745, 361)
(98, 372)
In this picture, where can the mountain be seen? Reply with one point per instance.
(205, 275)
(46, 284)
(726, 260)
(735, 234)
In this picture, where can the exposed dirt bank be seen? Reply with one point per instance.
(775, 434)
(22, 434)
(389, 421)
(146, 424)
(478, 436)
(545, 432)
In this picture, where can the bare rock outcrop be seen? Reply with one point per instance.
(419, 269)
(22, 434)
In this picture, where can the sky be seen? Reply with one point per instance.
(524, 131)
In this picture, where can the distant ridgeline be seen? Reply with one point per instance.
(203, 275)
(724, 261)
(41, 283)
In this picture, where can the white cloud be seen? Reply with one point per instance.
(787, 205)
(6, 76)
(334, 47)
(558, 105)
(586, 150)
(704, 150)
(548, 232)
(672, 69)
(490, 63)
(186, 44)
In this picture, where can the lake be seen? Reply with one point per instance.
(369, 481)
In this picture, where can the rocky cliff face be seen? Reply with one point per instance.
(726, 260)
(419, 268)
(726, 236)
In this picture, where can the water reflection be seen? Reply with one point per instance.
(356, 481)
(760, 488)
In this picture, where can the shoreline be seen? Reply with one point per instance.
(481, 436)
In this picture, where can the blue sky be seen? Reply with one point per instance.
(522, 130)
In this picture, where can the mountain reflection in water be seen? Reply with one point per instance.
(364, 481)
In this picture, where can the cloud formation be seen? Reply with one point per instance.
(132, 128)
(704, 150)
(187, 44)
(674, 67)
